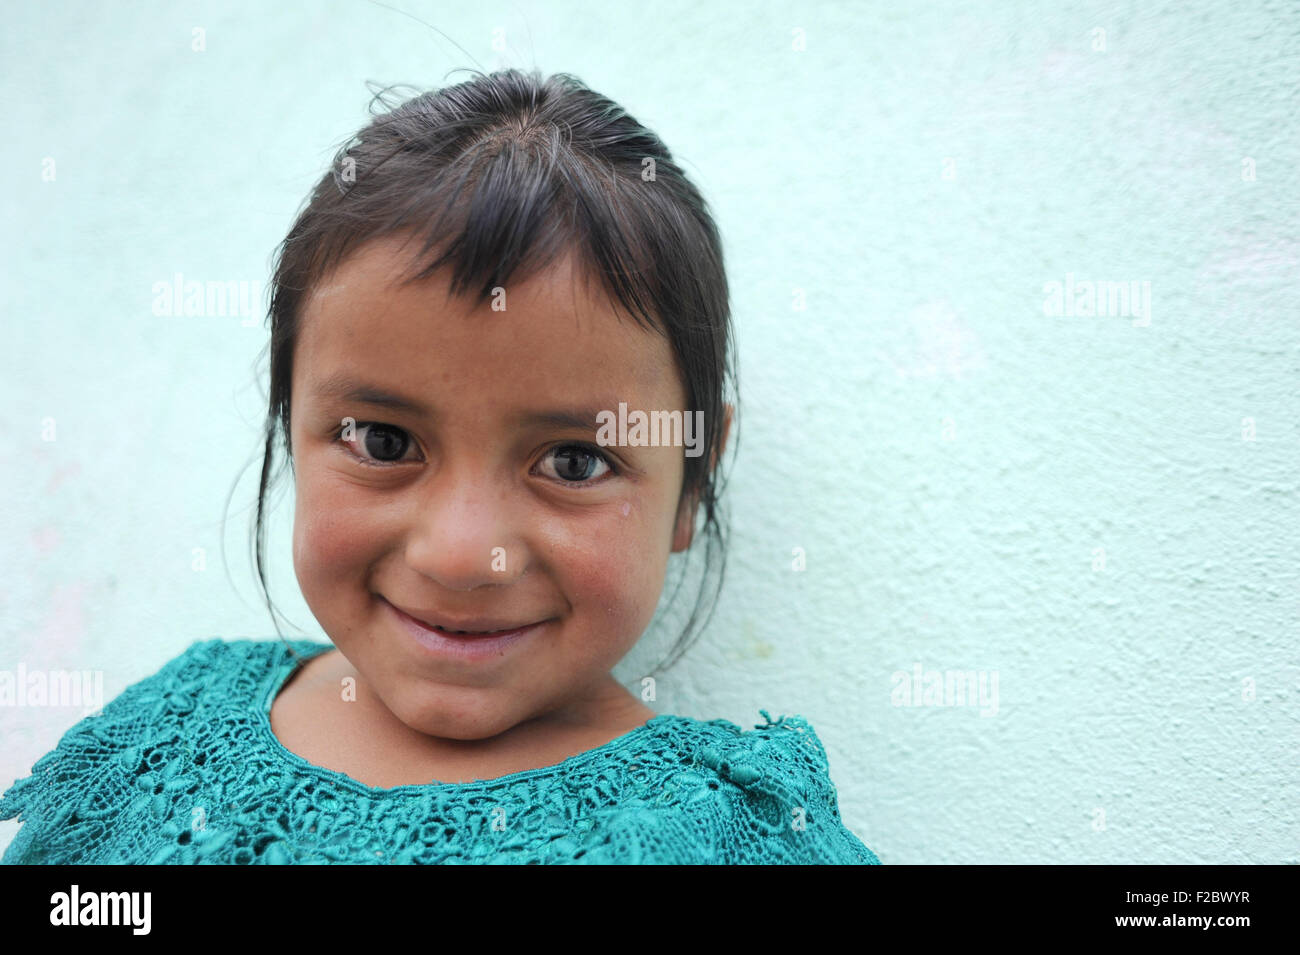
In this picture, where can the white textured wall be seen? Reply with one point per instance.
(1100, 513)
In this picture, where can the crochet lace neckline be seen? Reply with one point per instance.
(286, 666)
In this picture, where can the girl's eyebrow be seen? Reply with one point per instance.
(346, 388)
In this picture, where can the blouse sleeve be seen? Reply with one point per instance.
(69, 803)
(787, 809)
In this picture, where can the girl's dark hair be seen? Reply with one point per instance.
(501, 175)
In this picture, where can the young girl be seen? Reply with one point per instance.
(487, 278)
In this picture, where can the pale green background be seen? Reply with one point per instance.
(949, 458)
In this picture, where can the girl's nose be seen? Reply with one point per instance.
(461, 534)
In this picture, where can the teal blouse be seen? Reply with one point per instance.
(182, 767)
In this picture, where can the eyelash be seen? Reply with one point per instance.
(587, 448)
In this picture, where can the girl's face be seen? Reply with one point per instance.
(459, 498)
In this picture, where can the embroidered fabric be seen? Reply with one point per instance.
(182, 767)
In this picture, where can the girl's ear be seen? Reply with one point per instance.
(684, 531)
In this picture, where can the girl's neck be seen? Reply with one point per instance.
(363, 738)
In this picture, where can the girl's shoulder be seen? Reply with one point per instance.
(208, 674)
(785, 750)
(762, 795)
(138, 736)
(219, 660)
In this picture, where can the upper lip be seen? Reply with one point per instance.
(445, 621)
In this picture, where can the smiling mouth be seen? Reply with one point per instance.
(427, 622)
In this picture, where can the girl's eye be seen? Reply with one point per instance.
(384, 443)
(377, 445)
(577, 463)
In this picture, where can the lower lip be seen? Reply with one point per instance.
(462, 646)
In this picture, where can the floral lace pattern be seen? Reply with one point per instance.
(182, 767)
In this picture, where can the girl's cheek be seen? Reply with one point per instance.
(610, 566)
(328, 535)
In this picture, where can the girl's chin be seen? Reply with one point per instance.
(467, 720)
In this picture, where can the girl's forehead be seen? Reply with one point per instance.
(555, 318)
(549, 332)
(386, 266)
